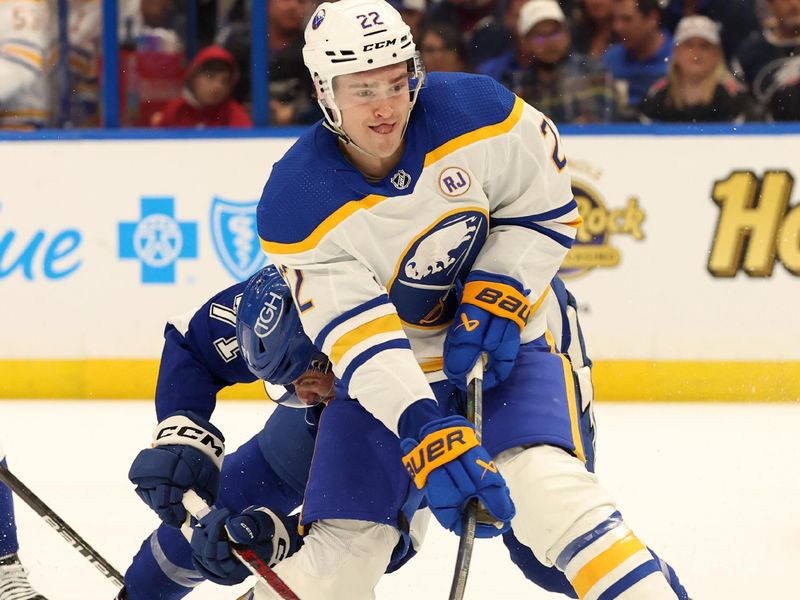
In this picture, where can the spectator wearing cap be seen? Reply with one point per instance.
(593, 31)
(206, 100)
(737, 18)
(641, 56)
(442, 48)
(698, 86)
(569, 87)
(767, 60)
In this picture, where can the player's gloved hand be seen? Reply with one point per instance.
(187, 454)
(272, 536)
(493, 312)
(451, 467)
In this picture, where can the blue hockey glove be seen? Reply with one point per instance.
(451, 467)
(187, 454)
(270, 535)
(493, 312)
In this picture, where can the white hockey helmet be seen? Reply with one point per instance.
(351, 36)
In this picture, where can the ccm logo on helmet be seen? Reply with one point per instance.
(270, 315)
(192, 433)
(379, 45)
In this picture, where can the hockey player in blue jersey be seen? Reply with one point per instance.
(14, 584)
(247, 332)
(419, 227)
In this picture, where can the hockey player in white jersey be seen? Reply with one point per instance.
(419, 228)
(27, 35)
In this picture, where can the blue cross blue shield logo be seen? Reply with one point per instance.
(235, 235)
(157, 240)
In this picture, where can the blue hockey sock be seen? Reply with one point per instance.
(162, 569)
(550, 579)
(8, 527)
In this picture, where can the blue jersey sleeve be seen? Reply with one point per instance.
(201, 356)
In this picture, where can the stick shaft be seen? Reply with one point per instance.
(57, 523)
(198, 508)
(470, 518)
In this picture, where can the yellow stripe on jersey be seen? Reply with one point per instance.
(604, 563)
(548, 337)
(26, 54)
(574, 417)
(475, 136)
(323, 228)
(536, 305)
(433, 365)
(384, 324)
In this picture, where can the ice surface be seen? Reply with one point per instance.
(713, 488)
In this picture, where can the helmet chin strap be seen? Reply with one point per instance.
(346, 139)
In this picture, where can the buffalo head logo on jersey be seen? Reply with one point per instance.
(423, 286)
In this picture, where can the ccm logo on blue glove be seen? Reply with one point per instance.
(186, 453)
(178, 429)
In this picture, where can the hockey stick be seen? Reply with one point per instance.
(57, 523)
(198, 508)
(470, 517)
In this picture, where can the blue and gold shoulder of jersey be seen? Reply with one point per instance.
(312, 187)
(459, 107)
(302, 189)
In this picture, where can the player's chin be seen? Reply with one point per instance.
(385, 148)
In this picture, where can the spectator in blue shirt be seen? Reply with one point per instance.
(503, 66)
(641, 56)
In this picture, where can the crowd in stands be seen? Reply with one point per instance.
(579, 61)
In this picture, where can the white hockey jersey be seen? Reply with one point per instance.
(482, 184)
(28, 30)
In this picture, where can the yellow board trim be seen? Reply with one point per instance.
(323, 228)
(574, 417)
(384, 324)
(471, 137)
(617, 380)
(605, 562)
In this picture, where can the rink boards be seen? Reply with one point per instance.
(686, 267)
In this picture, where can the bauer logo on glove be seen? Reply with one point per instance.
(436, 449)
(499, 299)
